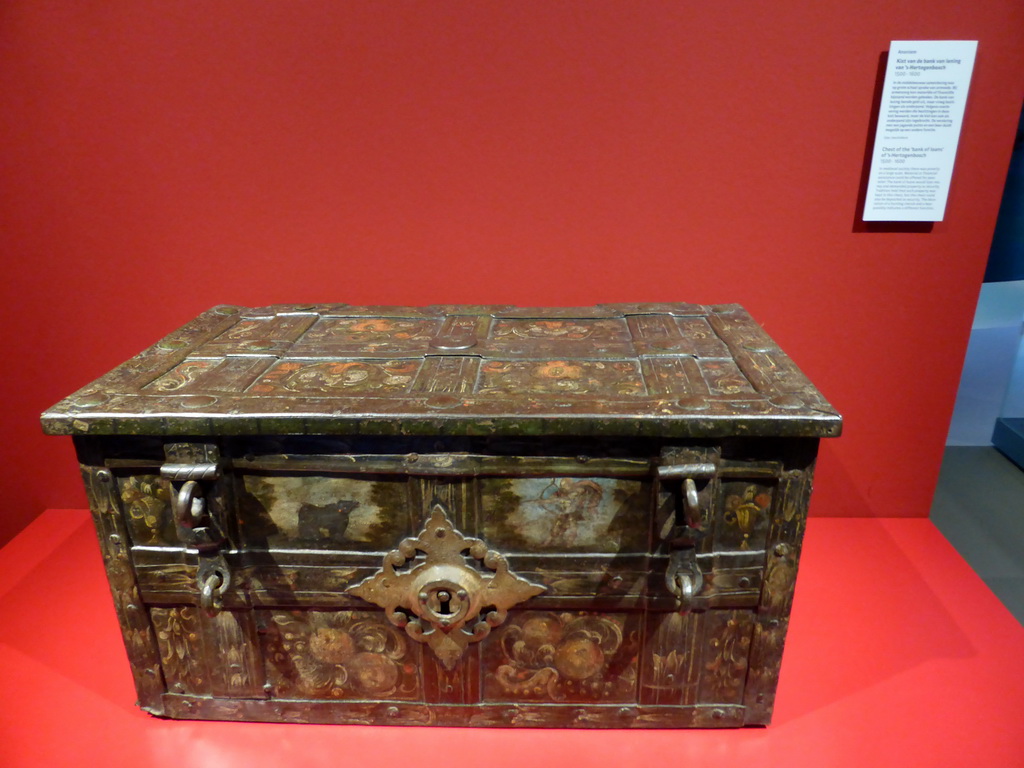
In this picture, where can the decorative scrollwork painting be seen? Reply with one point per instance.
(558, 657)
(338, 655)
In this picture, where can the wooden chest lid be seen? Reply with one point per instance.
(626, 370)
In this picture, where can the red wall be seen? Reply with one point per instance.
(159, 158)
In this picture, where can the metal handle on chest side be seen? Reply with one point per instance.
(687, 474)
(189, 505)
(683, 576)
(691, 500)
(196, 527)
(191, 471)
(213, 579)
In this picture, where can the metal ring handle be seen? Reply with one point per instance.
(692, 502)
(189, 505)
(683, 577)
(212, 589)
(682, 585)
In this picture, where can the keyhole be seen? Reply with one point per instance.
(444, 602)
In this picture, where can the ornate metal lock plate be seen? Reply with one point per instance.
(443, 601)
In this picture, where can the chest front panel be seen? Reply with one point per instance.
(607, 639)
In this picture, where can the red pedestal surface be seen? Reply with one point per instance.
(897, 655)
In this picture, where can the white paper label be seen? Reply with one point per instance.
(922, 108)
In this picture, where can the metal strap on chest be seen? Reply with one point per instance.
(193, 470)
(693, 469)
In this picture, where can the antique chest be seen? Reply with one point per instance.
(454, 515)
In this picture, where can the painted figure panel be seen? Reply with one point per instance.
(566, 514)
(323, 511)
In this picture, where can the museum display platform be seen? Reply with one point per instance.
(897, 654)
